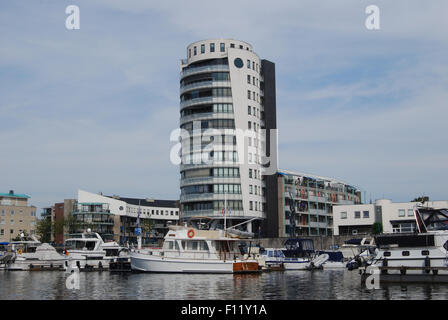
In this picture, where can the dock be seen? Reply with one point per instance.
(427, 275)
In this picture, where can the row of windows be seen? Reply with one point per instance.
(253, 64)
(256, 126)
(249, 142)
(357, 214)
(215, 172)
(32, 213)
(253, 158)
(254, 174)
(406, 253)
(216, 107)
(254, 189)
(402, 212)
(252, 95)
(222, 48)
(192, 245)
(254, 80)
(202, 188)
(223, 107)
(255, 206)
(212, 188)
(211, 124)
(226, 172)
(2, 221)
(253, 111)
(11, 231)
(204, 93)
(227, 188)
(214, 205)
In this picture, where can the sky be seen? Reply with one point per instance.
(93, 108)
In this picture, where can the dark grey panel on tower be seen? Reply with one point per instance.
(270, 224)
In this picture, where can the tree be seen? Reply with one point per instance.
(43, 229)
(421, 199)
(71, 223)
(377, 228)
(58, 226)
(147, 226)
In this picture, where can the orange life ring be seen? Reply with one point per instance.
(190, 233)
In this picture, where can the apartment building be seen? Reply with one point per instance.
(227, 100)
(16, 216)
(395, 217)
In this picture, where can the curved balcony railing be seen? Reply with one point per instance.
(209, 196)
(204, 85)
(206, 116)
(191, 71)
(192, 181)
(187, 103)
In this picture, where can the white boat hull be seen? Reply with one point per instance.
(150, 263)
(26, 265)
(296, 265)
(330, 265)
(88, 262)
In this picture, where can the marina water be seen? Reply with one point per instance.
(289, 285)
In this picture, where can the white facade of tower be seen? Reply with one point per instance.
(221, 90)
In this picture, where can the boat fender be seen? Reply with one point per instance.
(190, 233)
(427, 264)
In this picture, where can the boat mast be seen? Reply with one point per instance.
(139, 231)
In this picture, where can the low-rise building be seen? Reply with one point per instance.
(16, 216)
(155, 215)
(58, 212)
(394, 217)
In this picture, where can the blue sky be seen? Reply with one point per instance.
(93, 108)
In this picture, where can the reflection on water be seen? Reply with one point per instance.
(290, 285)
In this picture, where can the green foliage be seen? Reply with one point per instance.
(71, 224)
(43, 229)
(421, 199)
(377, 228)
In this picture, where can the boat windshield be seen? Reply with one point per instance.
(80, 244)
(276, 253)
(430, 219)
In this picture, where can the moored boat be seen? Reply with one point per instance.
(421, 256)
(189, 250)
(32, 255)
(87, 251)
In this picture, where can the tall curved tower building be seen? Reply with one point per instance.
(227, 100)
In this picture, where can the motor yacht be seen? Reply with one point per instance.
(31, 254)
(88, 251)
(424, 252)
(190, 250)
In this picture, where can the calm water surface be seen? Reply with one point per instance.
(290, 285)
